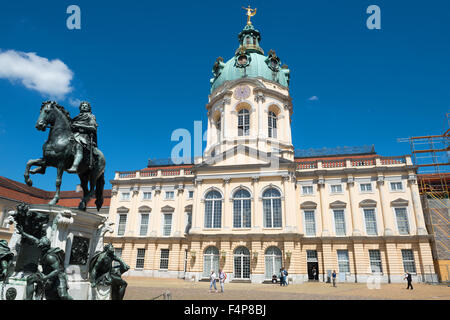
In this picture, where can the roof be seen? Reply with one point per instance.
(21, 192)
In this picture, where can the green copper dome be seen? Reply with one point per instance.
(250, 61)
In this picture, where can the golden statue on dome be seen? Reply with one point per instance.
(250, 13)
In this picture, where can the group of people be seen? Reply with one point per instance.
(213, 278)
(283, 277)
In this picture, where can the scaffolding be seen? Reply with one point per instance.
(430, 154)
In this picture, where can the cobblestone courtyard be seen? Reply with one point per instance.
(149, 288)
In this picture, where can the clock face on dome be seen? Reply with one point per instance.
(242, 92)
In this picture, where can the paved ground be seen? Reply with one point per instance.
(148, 288)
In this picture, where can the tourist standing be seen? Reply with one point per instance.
(333, 276)
(285, 276)
(281, 277)
(222, 278)
(314, 273)
(212, 279)
(409, 279)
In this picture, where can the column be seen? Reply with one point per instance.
(394, 262)
(360, 262)
(197, 207)
(226, 205)
(256, 207)
(327, 258)
(417, 206)
(355, 214)
(323, 209)
(155, 214)
(179, 212)
(287, 208)
(385, 208)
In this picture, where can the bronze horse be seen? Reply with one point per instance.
(59, 152)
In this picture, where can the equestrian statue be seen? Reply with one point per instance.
(72, 147)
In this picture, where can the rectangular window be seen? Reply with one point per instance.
(310, 223)
(339, 222)
(191, 194)
(164, 261)
(375, 261)
(402, 220)
(122, 224)
(408, 261)
(307, 189)
(343, 261)
(311, 256)
(170, 195)
(167, 228)
(336, 188)
(371, 222)
(125, 196)
(140, 259)
(147, 196)
(188, 223)
(396, 186)
(366, 187)
(144, 224)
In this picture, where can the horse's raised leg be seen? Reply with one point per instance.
(59, 173)
(30, 163)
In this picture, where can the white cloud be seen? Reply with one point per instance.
(74, 102)
(313, 98)
(49, 77)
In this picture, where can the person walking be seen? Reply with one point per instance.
(222, 278)
(281, 277)
(314, 273)
(333, 276)
(285, 276)
(408, 278)
(212, 279)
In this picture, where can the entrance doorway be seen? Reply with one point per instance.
(313, 276)
(312, 265)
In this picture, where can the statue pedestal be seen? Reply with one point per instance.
(100, 293)
(78, 233)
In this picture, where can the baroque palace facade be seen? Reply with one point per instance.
(252, 204)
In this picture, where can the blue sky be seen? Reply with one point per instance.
(145, 68)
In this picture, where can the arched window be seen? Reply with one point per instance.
(273, 262)
(272, 124)
(242, 263)
(241, 209)
(213, 209)
(243, 122)
(272, 208)
(210, 261)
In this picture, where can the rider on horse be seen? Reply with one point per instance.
(84, 127)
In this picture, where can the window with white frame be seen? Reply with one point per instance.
(396, 186)
(213, 209)
(307, 190)
(343, 261)
(124, 196)
(272, 124)
(140, 259)
(375, 261)
(169, 195)
(242, 209)
(365, 187)
(370, 222)
(409, 264)
(243, 122)
(164, 259)
(210, 261)
(336, 188)
(310, 223)
(167, 224)
(147, 195)
(402, 220)
(339, 222)
(272, 208)
(144, 224)
(122, 224)
(190, 194)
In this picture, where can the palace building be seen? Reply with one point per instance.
(253, 203)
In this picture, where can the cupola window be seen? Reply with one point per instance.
(272, 125)
(243, 122)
